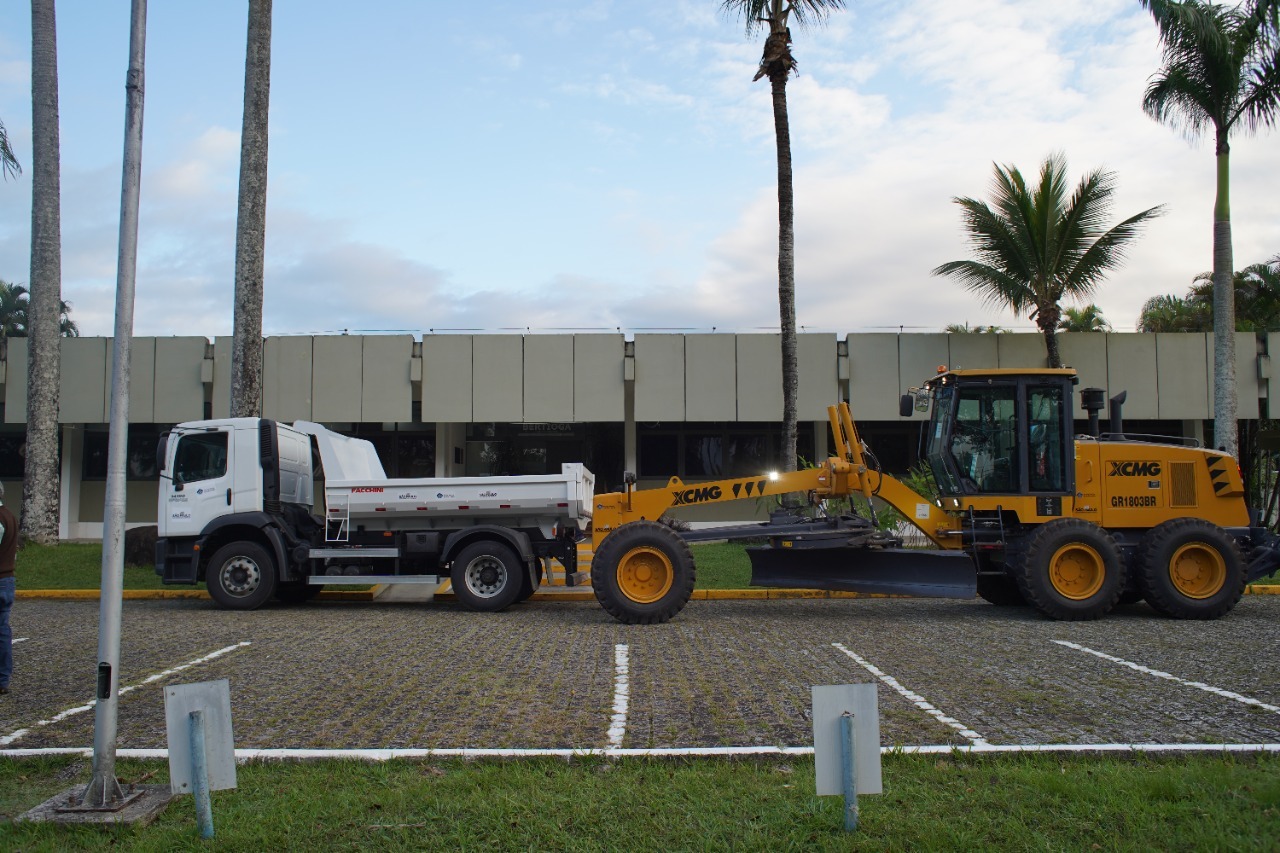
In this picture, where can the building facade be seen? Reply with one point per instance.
(697, 406)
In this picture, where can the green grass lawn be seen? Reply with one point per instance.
(948, 802)
(74, 565)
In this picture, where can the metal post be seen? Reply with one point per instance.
(200, 774)
(103, 789)
(848, 750)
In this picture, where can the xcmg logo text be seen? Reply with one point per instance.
(1134, 469)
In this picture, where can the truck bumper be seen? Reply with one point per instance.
(177, 560)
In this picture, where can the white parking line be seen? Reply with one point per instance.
(621, 695)
(1146, 670)
(17, 640)
(80, 709)
(916, 699)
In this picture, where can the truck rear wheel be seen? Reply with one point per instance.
(487, 576)
(1190, 569)
(1071, 570)
(643, 573)
(241, 576)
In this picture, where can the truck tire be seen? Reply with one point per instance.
(529, 587)
(643, 573)
(487, 576)
(1000, 590)
(1071, 570)
(241, 576)
(296, 593)
(1190, 569)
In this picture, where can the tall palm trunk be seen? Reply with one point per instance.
(786, 271)
(1224, 308)
(41, 488)
(251, 227)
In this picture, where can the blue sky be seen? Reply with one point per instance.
(600, 164)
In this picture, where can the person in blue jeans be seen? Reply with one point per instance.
(8, 587)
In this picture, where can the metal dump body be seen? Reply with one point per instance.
(359, 495)
(534, 501)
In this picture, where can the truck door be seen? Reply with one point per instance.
(200, 488)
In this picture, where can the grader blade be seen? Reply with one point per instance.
(883, 571)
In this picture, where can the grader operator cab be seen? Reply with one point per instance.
(1026, 511)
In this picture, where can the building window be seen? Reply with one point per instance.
(714, 450)
(141, 454)
(13, 451)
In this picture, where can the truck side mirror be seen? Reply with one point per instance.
(906, 405)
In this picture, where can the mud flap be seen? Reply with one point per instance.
(886, 571)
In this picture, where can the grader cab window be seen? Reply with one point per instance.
(1046, 439)
(984, 440)
(1007, 438)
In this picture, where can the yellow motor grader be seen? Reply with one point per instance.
(1027, 512)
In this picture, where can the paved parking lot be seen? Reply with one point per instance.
(722, 674)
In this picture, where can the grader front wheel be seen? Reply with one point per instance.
(643, 573)
(1071, 570)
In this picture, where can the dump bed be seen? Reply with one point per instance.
(538, 499)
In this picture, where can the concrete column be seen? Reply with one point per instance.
(69, 500)
(1194, 429)
(629, 455)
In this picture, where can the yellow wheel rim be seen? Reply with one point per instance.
(1077, 571)
(1198, 570)
(645, 574)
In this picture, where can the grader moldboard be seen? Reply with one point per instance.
(1027, 513)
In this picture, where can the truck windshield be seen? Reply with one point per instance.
(200, 456)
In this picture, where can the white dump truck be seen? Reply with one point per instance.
(237, 511)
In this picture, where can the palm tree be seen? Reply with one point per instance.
(251, 224)
(1221, 70)
(1086, 319)
(1040, 246)
(14, 305)
(1256, 292)
(8, 162)
(41, 487)
(965, 329)
(1169, 313)
(777, 63)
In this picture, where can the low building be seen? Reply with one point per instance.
(697, 406)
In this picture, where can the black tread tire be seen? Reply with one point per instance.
(482, 594)
(241, 576)
(1033, 571)
(1129, 596)
(529, 587)
(296, 593)
(1157, 550)
(605, 565)
(1000, 590)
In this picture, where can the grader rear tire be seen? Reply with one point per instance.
(1190, 569)
(643, 573)
(1071, 570)
(1000, 590)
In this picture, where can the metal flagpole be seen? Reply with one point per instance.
(103, 789)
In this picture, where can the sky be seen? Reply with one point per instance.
(584, 165)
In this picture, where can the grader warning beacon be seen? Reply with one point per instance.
(1026, 512)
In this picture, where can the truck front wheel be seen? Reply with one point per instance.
(241, 576)
(487, 576)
